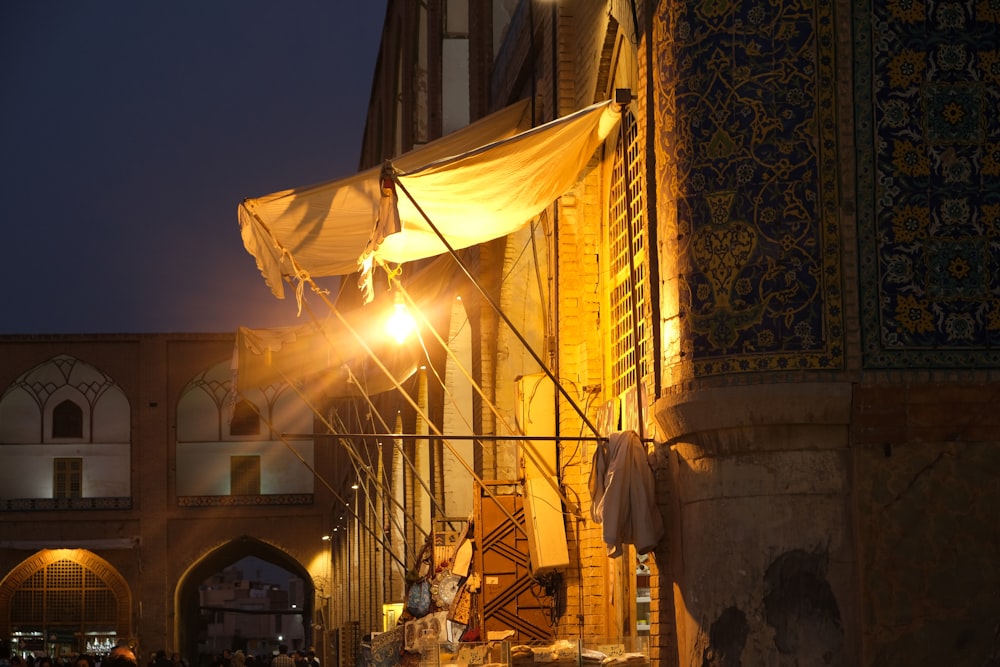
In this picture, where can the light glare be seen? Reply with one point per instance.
(400, 323)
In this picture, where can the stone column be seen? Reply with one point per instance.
(762, 545)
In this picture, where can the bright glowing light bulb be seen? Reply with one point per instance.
(400, 324)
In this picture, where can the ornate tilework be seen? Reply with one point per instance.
(747, 101)
(235, 501)
(54, 504)
(927, 88)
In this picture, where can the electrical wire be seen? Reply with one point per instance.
(480, 391)
(322, 480)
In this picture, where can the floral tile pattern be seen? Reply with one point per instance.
(746, 99)
(927, 93)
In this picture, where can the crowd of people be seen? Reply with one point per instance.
(120, 656)
(124, 656)
(284, 658)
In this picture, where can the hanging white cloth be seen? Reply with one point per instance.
(623, 495)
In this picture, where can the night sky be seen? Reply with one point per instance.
(129, 133)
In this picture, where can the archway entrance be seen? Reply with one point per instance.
(201, 611)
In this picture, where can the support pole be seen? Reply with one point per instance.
(496, 308)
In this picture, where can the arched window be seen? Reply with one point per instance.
(69, 596)
(245, 420)
(67, 420)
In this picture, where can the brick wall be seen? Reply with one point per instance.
(928, 460)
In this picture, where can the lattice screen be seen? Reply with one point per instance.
(64, 594)
(630, 308)
(67, 477)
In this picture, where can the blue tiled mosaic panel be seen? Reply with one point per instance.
(749, 92)
(927, 91)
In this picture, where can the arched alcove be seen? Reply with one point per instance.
(216, 436)
(186, 597)
(61, 402)
(70, 590)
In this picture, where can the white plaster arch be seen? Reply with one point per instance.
(28, 448)
(205, 447)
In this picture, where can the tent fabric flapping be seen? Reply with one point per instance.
(476, 184)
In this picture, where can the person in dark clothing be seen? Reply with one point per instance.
(160, 659)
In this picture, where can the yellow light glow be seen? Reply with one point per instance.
(400, 323)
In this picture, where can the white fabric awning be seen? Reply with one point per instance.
(476, 184)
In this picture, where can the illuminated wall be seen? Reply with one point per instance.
(29, 444)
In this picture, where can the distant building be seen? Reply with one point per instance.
(249, 615)
(131, 474)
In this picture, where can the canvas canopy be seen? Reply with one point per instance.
(476, 184)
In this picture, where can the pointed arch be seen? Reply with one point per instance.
(187, 603)
(67, 420)
(28, 404)
(245, 420)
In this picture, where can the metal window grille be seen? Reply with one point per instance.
(629, 294)
(64, 595)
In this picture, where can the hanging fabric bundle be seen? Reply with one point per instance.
(623, 494)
